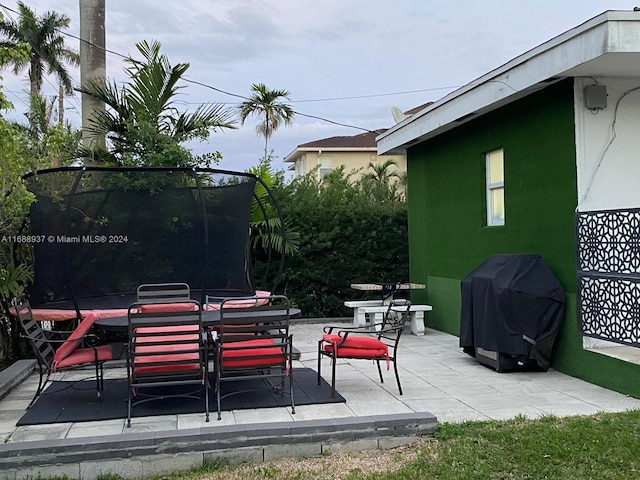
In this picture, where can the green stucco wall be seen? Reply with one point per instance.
(448, 236)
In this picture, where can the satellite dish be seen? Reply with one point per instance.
(397, 114)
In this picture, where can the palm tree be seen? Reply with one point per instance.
(271, 233)
(267, 104)
(48, 51)
(141, 122)
(382, 182)
(382, 173)
(265, 215)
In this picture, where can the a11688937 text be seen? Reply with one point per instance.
(64, 239)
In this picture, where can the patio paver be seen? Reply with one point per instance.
(437, 378)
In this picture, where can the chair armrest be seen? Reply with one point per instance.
(56, 340)
(349, 331)
(330, 328)
(43, 339)
(367, 330)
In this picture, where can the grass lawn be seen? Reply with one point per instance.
(602, 446)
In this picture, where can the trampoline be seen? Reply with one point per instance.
(97, 233)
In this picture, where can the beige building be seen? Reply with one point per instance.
(353, 152)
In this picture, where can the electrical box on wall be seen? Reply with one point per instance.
(595, 97)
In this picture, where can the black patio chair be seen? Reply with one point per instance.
(56, 351)
(166, 353)
(377, 342)
(254, 347)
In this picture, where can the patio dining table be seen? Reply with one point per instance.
(370, 312)
(388, 289)
(209, 318)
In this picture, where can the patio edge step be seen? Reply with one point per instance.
(14, 374)
(139, 454)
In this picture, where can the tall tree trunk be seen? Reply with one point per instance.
(33, 80)
(266, 135)
(92, 63)
(60, 105)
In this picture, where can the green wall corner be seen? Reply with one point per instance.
(448, 236)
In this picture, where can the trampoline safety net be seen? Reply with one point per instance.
(102, 232)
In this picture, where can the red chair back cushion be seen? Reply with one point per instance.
(251, 354)
(180, 332)
(168, 307)
(167, 358)
(75, 339)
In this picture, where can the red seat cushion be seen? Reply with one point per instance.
(75, 339)
(356, 346)
(242, 357)
(85, 355)
(355, 342)
(359, 352)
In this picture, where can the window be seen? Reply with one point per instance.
(300, 166)
(495, 187)
(325, 166)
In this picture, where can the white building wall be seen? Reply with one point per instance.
(608, 146)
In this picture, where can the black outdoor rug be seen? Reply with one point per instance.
(76, 401)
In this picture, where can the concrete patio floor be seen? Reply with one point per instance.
(438, 380)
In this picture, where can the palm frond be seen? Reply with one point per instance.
(269, 106)
(44, 35)
(208, 117)
(141, 122)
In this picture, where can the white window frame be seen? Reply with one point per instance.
(325, 166)
(300, 166)
(494, 221)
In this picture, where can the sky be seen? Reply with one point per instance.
(343, 61)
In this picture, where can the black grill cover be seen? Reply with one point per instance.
(512, 304)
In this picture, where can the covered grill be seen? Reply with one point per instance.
(512, 306)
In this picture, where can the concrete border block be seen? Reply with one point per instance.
(70, 470)
(234, 456)
(166, 464)
(385, 443)
(296, 450)
(358, 445)
(125, 467)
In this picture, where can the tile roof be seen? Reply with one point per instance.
(362, 140)
(413, 110)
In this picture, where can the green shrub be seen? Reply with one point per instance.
(346, 236)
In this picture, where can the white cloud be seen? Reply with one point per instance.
(322, 50)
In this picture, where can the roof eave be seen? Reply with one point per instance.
(561, 57)
(293, 156)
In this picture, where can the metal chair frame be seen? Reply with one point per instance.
(246, 348)
(388, 332)
(44, 345)
(166, 349)
(163, 293)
